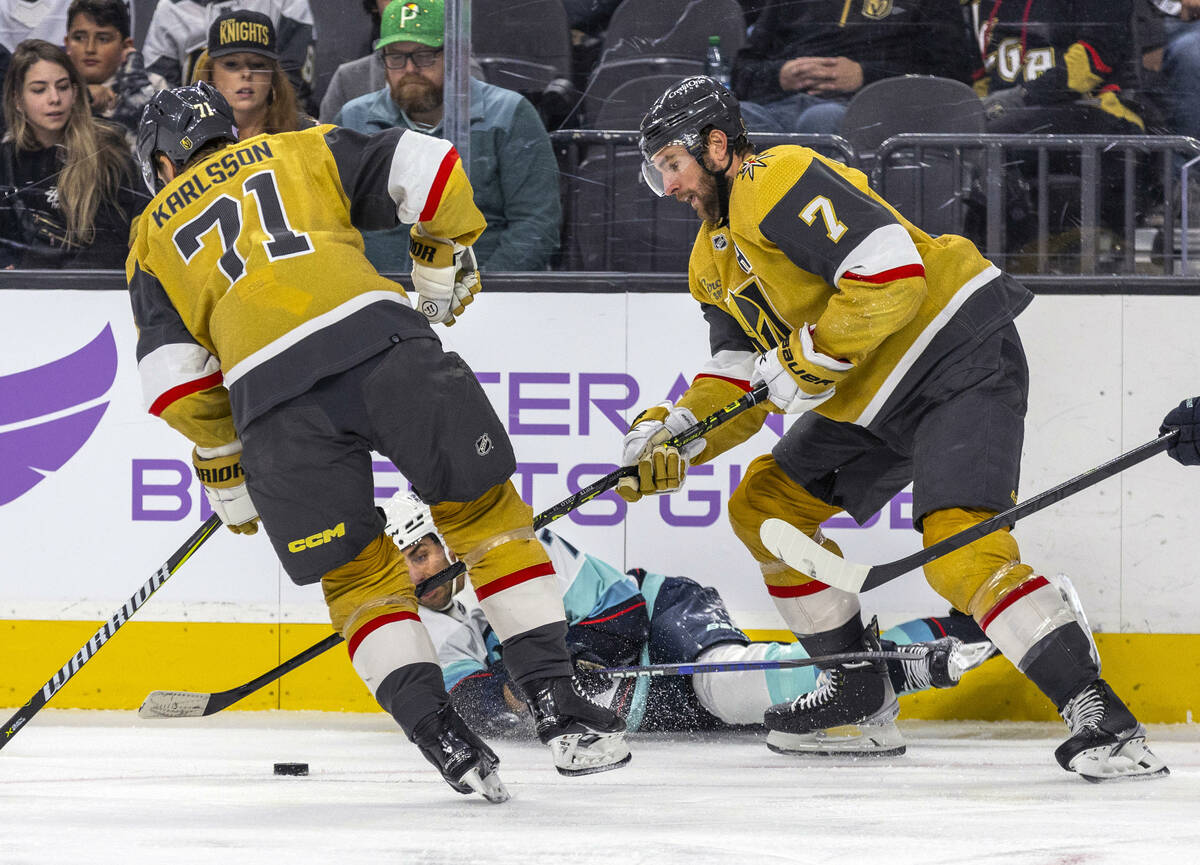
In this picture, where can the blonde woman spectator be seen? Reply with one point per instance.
(242, 62)
(69, 190)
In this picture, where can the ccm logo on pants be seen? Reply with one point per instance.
(302, 544)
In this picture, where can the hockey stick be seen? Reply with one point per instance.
(693, 669)
(801, 552)
(115, 621)
(189, 704)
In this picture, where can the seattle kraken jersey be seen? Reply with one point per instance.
(247, 274)
(809, 243)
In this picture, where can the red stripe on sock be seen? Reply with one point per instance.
(506, 582)
(1011, 598)
(373, 625)
(614, 615)
(796, 591)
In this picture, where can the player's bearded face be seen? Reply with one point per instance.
(705, 197)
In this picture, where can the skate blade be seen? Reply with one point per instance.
(968, 656)
(488, 786)
(589, 753)
(1130, 760)
(852, 740)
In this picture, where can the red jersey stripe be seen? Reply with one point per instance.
(186, 389)
(615, 615)
(907, 271)
(434, 199)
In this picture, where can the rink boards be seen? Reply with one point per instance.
(110, 493)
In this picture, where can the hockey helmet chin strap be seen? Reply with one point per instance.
(654, 180)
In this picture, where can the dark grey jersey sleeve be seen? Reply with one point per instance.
(821, 219)
(724, 333)
(364, 163)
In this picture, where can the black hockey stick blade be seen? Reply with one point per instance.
(190, 704)
(115, 621)
(799, 551)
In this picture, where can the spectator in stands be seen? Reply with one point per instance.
(242, 61)
(356, 78)
(512, 165)
(803, 61)
(1050, 70)
(178, 31)
(1181, 66)
(32, 19)
(99, 44)
(69, 186)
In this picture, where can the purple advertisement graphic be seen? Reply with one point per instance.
(31, 451)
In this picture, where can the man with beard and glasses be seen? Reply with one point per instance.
(898, 355)
(512, 165)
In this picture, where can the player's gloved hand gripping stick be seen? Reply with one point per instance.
(188, 704)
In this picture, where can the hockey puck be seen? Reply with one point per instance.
(291, 768)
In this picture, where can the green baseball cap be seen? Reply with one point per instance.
(422, 21)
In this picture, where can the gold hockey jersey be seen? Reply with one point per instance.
(808, 242)
(247, 274)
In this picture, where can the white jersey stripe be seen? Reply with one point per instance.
(524, 606)
(885, 248)
(171, 366)
(415, 166)
(308, 328)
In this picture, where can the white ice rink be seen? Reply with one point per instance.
(107, 787)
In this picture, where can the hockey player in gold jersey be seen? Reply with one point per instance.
(898, 353)
(267, 339)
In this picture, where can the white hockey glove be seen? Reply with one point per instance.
(797, 376)
(661, 468)
(220, 470)
(408, 519)
(443, 292)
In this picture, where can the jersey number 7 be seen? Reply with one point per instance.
(225, 214)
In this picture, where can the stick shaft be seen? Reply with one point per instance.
(106, 630)
(880, 574)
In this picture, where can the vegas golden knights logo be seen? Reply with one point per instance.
(876, 8)
(757, 317)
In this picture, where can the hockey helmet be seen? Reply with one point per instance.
(682, 115)
(408, 519)
(177, 123)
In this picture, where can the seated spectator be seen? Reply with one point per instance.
(178, 29)
(32, 19)
(70, 188)
(803, 61)
(1180, 92)
(511, 165)
(356, 78)
(99, 44)
(1047, 70)
(617, 619)
(242, 62)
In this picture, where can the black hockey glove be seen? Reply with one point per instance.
(1186, 418)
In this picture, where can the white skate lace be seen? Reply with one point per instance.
(827, 686)
(1085, 709)
(917, 676)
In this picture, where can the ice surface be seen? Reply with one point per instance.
(107, 787)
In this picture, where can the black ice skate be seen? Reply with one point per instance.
(852, 712)
(1106, 742)
(465, 760)
(583, 737)
(935, 663)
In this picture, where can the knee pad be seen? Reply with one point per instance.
(973, 577)
(374, 583)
